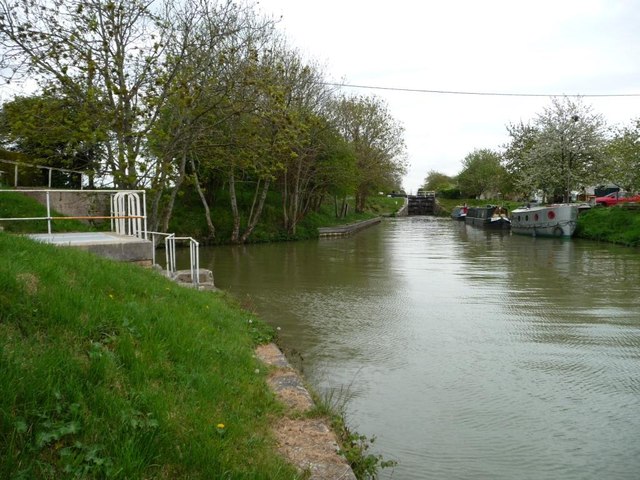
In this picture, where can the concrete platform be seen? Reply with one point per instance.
(105, 244)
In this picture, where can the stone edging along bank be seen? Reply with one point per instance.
(344, 230)
(308, 443)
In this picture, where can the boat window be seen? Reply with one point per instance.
(526, 217)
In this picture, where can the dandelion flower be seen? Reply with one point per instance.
(220, 426)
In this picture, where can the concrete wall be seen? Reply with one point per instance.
(76, 204)
(404, 210)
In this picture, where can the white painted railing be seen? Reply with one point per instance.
(128, 210)
(128, 217)
(88, 177)
(194, 256)
(170, 254)
(126, 214)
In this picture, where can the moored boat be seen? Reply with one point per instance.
(459, 212)
(489, 216)
(557, 220)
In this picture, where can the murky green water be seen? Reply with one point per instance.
(468, 354)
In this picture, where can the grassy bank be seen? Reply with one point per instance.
(618, 224)
(111, 371)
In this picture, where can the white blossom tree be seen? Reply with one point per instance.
(562, 151)
(622, 165)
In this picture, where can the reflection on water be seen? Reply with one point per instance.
(469, 354)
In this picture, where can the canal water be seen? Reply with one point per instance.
(466, 353)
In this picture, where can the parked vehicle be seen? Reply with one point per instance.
(615, 198)
(557, 220)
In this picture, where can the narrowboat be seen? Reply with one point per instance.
(489, 216)
(556, 220)
(459, 212)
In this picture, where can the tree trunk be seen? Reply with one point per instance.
(205, 204)
(253, 221)
(361, 199)
(295, 204)
(235, 234)
(169, 210)
(255, 199)
(285, 201)
(345, 207)
(158, 191)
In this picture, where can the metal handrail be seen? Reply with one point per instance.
(134, 224)
(170, 255)
(123, 222)
(194, 257)
(16, 164)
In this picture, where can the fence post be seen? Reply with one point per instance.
(48, 212)
(144, 213)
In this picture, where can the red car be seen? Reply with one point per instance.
(615, 198)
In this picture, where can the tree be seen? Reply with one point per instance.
(301, 98)
(94, 52)
(482, 174)
(239, 124)
(436, 181)
(197, 138)
(622, 163)
(561, 152)
(336, 172)
(378, 144)
(53, 131)
(515, 158)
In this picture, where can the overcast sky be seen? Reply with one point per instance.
(512, 46)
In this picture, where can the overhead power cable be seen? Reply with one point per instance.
(487, 94)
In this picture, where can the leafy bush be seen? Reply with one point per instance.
(450, 193)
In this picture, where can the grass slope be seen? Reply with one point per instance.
(618, 224)
(111, 371)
